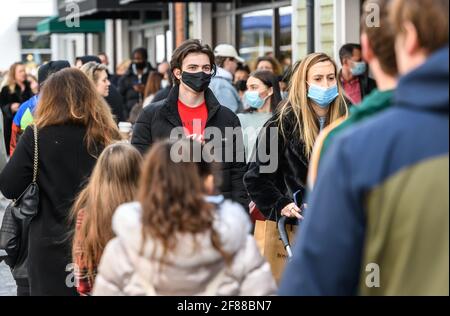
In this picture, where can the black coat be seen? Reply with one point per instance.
(126, 83)
(161, 94)
(272, 191)
(64, 167)
(158, 120)
(6, 99)
(115, 102)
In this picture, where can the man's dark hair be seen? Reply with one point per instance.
(220, 60)
(49, 68)
(88, 58)
(188, 47)
(346, 51)
(141, 51)
(243, 67)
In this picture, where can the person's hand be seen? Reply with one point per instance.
(139, 88)
(291, 210)
(15, 107)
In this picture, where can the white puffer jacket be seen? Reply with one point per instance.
(123, 270)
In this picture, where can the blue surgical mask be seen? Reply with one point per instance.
(284, 95)
(359, 68)
(323, 96)
(253, 100)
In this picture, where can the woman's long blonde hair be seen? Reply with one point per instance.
(306, 122)
(114, 181)
(92, 69)
(11, 80)
(69, 97)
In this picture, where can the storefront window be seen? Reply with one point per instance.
(285, 36)
(256, 34)
(30, 41)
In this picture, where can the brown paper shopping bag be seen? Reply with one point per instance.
(270, 245)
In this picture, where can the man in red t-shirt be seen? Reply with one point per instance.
(193, 119)
(192, 106)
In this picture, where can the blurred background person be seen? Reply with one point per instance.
(268, 63)
(132, 83)
(226, 59)
(112, 77)
(25, 115)
(241, 87)
(354, 74)
(16, 91)
(242, 73)
(103, 58)
(121, 69)
(240, 82)
(164, 68)
(153, 85)
(34, 85)
(98, 73)
(3, 155)
(81, 60)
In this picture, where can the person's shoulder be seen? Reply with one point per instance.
(154, 107)
(227, 114)
(4, 89)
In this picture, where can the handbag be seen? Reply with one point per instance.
(270, 245)
(16, 221)
(255, 213)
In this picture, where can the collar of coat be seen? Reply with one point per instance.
(170, 108)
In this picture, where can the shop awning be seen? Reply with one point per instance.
(53, 25)
(28, 23)
(112, 9)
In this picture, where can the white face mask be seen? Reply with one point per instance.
(164, 83)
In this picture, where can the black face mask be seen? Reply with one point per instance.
(140, 66)
(197, 81)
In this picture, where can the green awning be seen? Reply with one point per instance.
(52, 25)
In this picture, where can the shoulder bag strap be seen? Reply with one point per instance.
(36, 151)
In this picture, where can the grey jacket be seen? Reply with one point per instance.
(222, 87)
(189, 270)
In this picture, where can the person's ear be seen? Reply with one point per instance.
(346, 62)
(270, 92)
(411, 38)
(367, 52)
(177, 73)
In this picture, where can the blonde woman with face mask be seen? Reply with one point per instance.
(315, 100)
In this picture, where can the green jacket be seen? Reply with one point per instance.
(374, 103)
